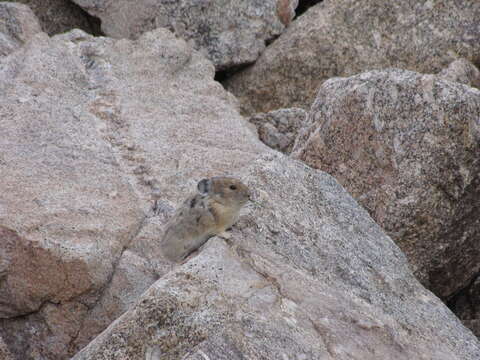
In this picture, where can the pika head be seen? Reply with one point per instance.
(226, 190)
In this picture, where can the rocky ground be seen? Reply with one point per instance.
(355, 124)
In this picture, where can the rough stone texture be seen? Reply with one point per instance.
(229, 32)
(66, 209)
(59, 16)
(279, 129)
(345, 37)
(309, 276)
(63, 196)
(406, 146)
(132, 277)
(99, 140)
(33, 274)
(17, 25)
(46, 333)
(4, 353)
(462, 71)
(92, 131)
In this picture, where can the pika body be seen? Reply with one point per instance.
(211, 211)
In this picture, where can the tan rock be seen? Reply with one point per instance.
(99, 140)
(34, 274)
(17, 25)
(92, 132)
(406, 146)
(229, 32)
(346, 37)
(309, 275)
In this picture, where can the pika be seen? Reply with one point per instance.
(211, 211)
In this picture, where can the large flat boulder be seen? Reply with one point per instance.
(406, 146)
(345, 37)
(229, 32)
(308, 275)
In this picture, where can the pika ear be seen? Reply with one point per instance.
(204, 186)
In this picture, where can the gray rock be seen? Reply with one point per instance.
(345, 37)
(93, 131)
(59, 16)
(462, 71)
(309, 275)
(279, 129)
(229, 32)
(406, 146)
(17, 25)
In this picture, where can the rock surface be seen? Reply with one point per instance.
(100, 139)
(59, 16)
(229, 32)
(17, 25)
(113, 125)
(279, 129)
(345, 37)
(406, 146)
(66, 209)
(4, 353)
(462, 71)
(309, 276)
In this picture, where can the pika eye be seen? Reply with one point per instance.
(233, 187)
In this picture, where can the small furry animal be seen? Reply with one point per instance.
(211, 211)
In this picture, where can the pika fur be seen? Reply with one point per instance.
(211, 211)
